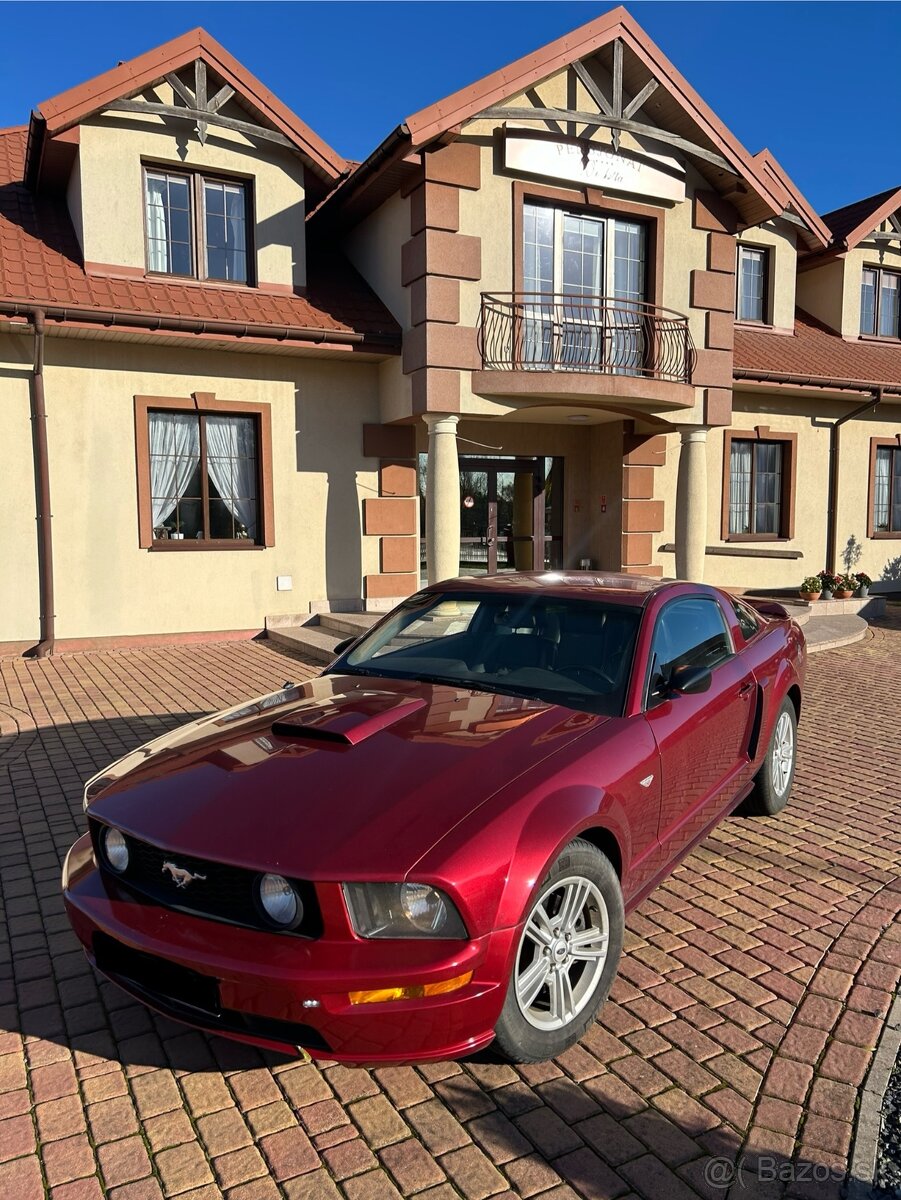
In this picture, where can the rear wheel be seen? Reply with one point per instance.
(773, 784)
(566, 959)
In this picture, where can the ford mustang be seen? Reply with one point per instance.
(432, 845)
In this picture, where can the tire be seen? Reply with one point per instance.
(557, 1015)
(773, 782)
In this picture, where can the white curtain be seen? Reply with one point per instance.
(231, 461)
(740, 487)
(158, 246)
(174, 455)
(881, 489)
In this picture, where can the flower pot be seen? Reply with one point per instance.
(863, 590)
(845, 595)
(809, 596)
(825, 594)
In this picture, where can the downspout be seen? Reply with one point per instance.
(42, 491)
(834, 453)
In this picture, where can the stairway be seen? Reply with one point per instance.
(317, 638)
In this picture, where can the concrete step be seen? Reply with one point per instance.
(348, 624)
(842, 630)
(317, 645)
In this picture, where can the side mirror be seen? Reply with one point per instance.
(345, 645)
(689, 681)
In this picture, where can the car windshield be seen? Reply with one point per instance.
(577, 653)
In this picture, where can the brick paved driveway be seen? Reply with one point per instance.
(751, 993)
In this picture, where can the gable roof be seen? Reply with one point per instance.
(852, 223)
(68, 109)
(41, 265)
(678, 104)
(816, 232)
(815, 352)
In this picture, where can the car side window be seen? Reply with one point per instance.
(690, 632)
(747, 621)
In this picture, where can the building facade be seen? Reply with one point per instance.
(560, 318)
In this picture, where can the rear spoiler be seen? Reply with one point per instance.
(768, 608)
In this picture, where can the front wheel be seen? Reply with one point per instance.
(773, 784)
(566, 959)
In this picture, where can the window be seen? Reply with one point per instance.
(758, 485)
(196, 225)
(748, 621)
(880, 302)
(752, 284)
(204, 478)
(689, 633)
(572, 260)
(885, 488)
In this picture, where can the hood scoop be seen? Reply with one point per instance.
(338, 726)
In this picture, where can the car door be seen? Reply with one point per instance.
(702, 738)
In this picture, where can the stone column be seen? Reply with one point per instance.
(691, 505)
(442, 498)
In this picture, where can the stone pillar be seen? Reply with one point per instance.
(442, 498)
(691, 506)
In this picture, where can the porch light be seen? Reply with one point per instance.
(416, 992)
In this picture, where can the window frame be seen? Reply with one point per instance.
(766, 254)
(891, 443)
(203, 404)
(879, 272)
(196, 178)
(762, 433)
(647, 705)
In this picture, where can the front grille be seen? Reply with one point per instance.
(225, 893)
(188, 995)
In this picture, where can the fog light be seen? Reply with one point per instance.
(115, 850)
(279, 900)
(415, 992)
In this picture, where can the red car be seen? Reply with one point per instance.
(432, 845)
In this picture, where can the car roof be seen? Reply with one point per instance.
(596, 585)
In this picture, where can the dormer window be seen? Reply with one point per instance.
(752, 284)
(880, 302)
(196, 226)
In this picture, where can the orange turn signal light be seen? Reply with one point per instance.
(416, 992)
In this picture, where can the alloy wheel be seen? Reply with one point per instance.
(562, 953)
(783, 753)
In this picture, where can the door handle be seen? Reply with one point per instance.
(745, 688)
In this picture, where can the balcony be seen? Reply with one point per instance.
(551, 347)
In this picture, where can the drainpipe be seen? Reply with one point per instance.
(42, 491)
(834, 453)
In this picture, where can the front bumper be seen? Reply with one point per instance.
(252, 984)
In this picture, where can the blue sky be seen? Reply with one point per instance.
(804, 79)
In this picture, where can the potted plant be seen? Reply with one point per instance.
(863, 583)
(828, 583)
(811, 588)
(844, 587)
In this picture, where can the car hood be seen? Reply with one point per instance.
(343, 777)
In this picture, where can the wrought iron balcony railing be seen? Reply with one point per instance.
(540, 331)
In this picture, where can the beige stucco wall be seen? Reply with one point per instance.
(106, 196)
(19, 601)
(779, 238)
(106, 585)
(820, 292)
(810, 419)
(374, 248)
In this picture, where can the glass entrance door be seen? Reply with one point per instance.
(511, 514)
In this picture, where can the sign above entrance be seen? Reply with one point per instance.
(579, 161)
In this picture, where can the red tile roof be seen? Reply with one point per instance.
(853, 222)
(816, 352)
(41, 263)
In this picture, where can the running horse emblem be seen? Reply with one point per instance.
(181, 875)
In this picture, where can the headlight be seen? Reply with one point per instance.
(279, 900)
(402, 910)
(115, 850)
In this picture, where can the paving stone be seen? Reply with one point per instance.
(123, 1161)
(472, 1173)
(182, 1168)
(289, 1153)
(411, 1166)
